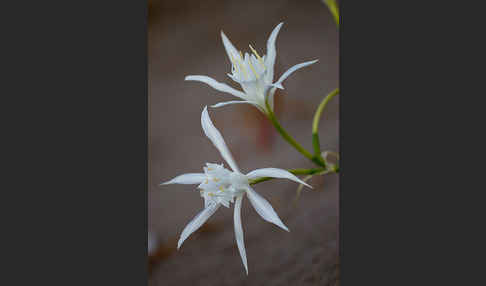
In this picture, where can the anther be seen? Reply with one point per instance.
(258, 56)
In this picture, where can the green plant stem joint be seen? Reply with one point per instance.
(317, 151)
(319, 161)
(316, 158)
(315, 127)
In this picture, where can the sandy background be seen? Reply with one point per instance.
(184, 38)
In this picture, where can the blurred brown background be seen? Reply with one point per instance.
(184, 38)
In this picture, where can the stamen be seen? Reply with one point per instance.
(253, 69)
(242, 67)
(210, 169)
(221, 188)
(258, 57)
(206, 181)
(215, 179)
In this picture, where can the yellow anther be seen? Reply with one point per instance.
(258, 56)
(210, 194)
(206, 181)
(215, 179)
(221, 188)
(210, 169)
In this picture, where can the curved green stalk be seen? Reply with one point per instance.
(315, 123)
(291, 140)
(333, 7)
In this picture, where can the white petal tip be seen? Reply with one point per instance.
(166, 183)
(224, 37)
(305, 184)
(191, 78)
(277, 85)
(281, 225)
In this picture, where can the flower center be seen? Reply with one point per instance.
(221, 185)
(247, 68)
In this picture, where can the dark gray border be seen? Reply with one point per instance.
(402, 95)
(80, 144)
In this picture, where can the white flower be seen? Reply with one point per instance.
(253, 73)
(220, 186)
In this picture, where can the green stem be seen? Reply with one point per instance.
(289, 138)
(333, 7)
(315, 123)
(293, 171)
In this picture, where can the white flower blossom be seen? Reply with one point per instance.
(253, 72)
(220, 186)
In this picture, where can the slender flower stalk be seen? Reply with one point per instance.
(315, 122)
(292, 141)
(254, 73)
(334, 9)
(220, 186)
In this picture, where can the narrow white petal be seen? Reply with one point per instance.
(188, 179)
(213, 134)
(216, 85)
(238, 101)
(271, 52)
(239, 232)
(228, 46)
(231, 102)
(275, 173)
(286, 74)
(196, 222)
(264, 209)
